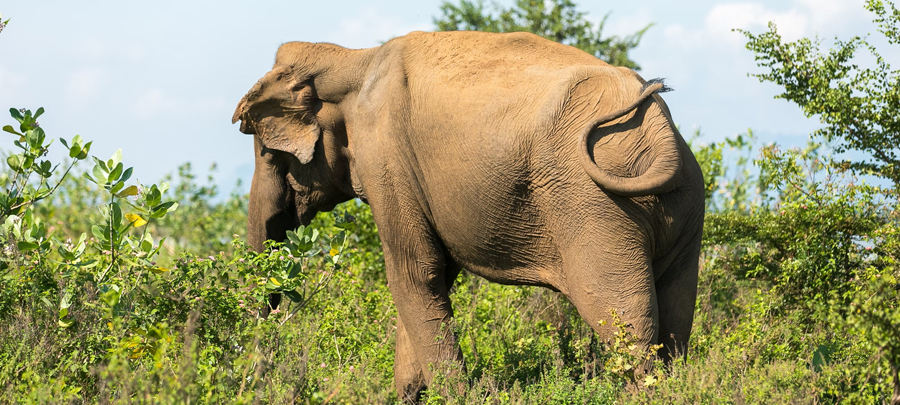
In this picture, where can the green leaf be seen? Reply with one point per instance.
(66, 255)
(127, 174)
(66, 300)
(74, 151)
(26, 246)
(39, 112)
(31, 136)
(116, 212)
(44, 169)
(99, 233)
(128, 192)
(115, 159)
(116, 172)
(41, 136)
(85, 151)
(115, 188)
(10, 129)
(100, 174)
(822, 357)
(110, 294)
(153, 196)
(338, 240)
(293, 296)
(15, 162)
(161, 210)
(296, 268)
(16, 114)
(292, 236)
(86, 265)
(65, 323)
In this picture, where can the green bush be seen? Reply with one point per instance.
(100, 319)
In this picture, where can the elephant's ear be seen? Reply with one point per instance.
(292, 126)
(283, 117)
(294, 135)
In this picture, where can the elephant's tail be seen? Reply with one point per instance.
(659, 178)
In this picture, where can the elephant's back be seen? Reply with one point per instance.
(465, 59)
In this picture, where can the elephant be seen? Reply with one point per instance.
(519, 159)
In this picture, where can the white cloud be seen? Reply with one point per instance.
(723, 18)
(801, 18)
(707, 63)
(832, 14)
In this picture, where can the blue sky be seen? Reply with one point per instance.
(161, 79)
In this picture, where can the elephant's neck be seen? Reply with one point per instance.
(345, 74)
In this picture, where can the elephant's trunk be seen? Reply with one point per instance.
(273, 208)
(659, 178)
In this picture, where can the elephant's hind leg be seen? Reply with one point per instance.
(614, 277)
(676, 294)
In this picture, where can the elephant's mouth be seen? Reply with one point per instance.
(247, 127)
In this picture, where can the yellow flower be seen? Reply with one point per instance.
(135, 220)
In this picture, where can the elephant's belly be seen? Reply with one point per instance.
(501, 239)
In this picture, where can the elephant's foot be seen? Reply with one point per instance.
(408, 377)
(411, 393)
(412, 377)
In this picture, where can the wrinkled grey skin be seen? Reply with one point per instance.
(468, 148)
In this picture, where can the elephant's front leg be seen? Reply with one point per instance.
(408, 377)
(417, 272)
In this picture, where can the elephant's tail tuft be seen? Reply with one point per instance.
(658, 80)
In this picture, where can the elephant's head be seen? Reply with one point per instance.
(295, 115)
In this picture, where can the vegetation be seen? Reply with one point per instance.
(856, 105)
(117, 292)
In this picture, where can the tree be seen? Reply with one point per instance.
(858, 106)
(556, 20)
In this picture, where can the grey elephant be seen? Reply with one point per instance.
(522, 160)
